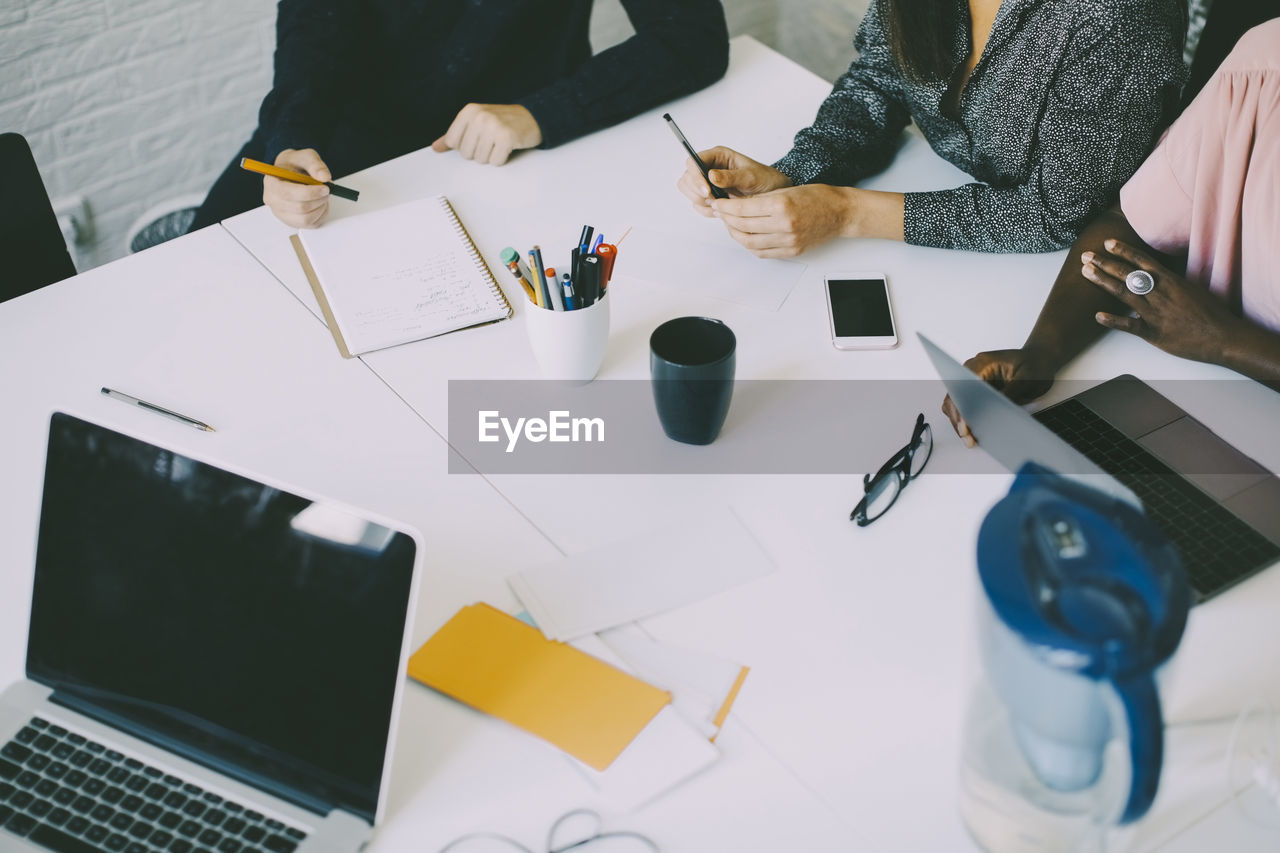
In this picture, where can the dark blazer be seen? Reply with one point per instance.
(362, 81)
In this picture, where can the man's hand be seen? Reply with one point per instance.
(1179, 317)
(488, 133)
(738, 174)
(298, 205)
(788, 221)
(1022, 374)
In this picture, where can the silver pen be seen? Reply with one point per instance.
(159, 410)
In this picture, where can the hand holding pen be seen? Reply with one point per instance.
(298, 186)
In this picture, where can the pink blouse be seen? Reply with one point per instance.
(1211, 189)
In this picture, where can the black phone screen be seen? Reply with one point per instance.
(860, 307)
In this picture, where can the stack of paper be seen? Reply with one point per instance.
(625, 581)
(702, 687)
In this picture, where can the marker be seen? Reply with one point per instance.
(588, 290)
(607, 253)
(569, 302)
(159, 410)
(297, 178)
(511, 258)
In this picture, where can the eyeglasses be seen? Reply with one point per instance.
(880, 491)
(578, 830)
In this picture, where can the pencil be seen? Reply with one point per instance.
(297, 178)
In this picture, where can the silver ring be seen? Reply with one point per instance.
(1140, 282)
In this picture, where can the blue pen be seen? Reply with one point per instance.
(596, 244)
(569, 302)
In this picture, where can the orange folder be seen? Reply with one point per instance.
(497, 664)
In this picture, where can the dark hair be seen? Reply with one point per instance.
(921, 34)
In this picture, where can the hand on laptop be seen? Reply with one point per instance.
(488, 133)
(1178, 317)
(298, 205)
(736, 173)
(1022, 374)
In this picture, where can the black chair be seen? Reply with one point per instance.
(32, 251)
(1226, 22)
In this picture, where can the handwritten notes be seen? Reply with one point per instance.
(402, 274)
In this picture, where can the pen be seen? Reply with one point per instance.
(297, 178)
(553, 284)
(569, 302)
(584, 242)
(159, 410)
(596, 244)
(512, 259)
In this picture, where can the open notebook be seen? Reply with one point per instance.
(398, 275)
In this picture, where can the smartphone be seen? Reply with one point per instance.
(702, 167)
(860, 313)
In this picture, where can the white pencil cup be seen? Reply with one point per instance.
(569, 345)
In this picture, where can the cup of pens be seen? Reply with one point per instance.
(569, 324)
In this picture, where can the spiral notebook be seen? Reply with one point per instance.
(398, 275)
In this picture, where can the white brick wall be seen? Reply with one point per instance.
(133, 102)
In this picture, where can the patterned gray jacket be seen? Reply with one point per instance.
(1063, 106)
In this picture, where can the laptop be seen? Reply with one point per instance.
(213, 662)
(1220, 507)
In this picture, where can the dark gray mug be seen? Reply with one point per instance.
(691, 360)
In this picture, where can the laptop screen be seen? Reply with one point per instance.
(246, 627)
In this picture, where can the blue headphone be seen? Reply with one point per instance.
(1069, 567)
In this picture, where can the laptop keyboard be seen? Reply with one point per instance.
(1217, 548)
(60, 790)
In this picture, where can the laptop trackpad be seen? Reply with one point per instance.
(1260, 507)
(1194, 451)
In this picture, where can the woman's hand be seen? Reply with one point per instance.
(1021, 374)
(1177, 316)
(735, 173)
(788, 221)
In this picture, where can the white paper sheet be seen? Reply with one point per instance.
(665, 753)
(722, 272)
(658, 571)
(699, 683)
(668, 751)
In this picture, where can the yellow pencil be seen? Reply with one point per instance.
(296, 177)
(537, 281)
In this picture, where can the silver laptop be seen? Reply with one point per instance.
(213, 663)
(1220, 507)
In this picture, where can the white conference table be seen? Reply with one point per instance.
(857, 643)
(198, 325)
(846, 734)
